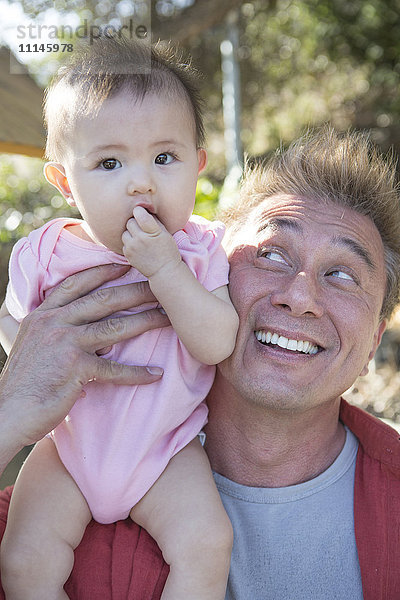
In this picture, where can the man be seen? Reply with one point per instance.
(312, 485)
(314, 248)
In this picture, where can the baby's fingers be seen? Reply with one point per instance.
(146, 221)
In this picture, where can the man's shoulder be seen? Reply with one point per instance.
(378, 440)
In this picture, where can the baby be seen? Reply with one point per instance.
(127, 150)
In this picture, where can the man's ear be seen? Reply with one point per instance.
(202, 158)
(55, 174)
(376, 341)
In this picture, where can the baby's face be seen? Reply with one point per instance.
(134, 152)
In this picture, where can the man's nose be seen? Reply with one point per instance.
(300, 295)
(140, 181)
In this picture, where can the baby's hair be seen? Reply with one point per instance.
(102, 70)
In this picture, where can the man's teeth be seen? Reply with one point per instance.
(266, 337)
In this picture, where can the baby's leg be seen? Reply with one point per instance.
(184, 514)
(48, 516)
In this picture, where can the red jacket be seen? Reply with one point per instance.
(376, 503)
(122, 562)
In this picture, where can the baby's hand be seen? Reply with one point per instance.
(147, 245)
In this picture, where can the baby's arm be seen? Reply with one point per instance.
(205, 322)
(8, 329)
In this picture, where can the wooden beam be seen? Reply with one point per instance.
(13, 148)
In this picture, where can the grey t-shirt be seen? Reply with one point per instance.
(297, 542)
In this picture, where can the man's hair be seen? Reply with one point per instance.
(107, 67)
(327, 166)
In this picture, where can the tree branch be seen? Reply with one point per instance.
(192, 21)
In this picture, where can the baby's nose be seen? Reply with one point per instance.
(140, 182)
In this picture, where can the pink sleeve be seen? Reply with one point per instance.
(27, 276)
(204, 254)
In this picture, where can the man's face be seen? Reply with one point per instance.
(307, 280)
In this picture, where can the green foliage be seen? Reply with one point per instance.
(207, 194)
(27, 201)
(368, 32)
(306, 62)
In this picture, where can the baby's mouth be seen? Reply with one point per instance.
(149, 207)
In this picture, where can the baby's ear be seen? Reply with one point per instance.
(55, 174)
(202, 159)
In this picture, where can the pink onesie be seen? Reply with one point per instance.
(118, 439)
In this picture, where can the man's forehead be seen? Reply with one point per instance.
(271, 214)
(279, 210)
(291, 213)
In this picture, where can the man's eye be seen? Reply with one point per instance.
(164, 159)
(272, 255)
(340, 275)
(109, 164)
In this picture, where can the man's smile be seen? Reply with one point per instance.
(269, 337)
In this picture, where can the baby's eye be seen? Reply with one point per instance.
(340, 274)
(164, 158)
(109, 164)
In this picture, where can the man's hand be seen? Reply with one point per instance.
(147, 245)
(55, 353)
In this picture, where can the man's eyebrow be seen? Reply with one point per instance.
(356, 248)
(283, 223)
